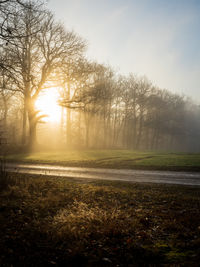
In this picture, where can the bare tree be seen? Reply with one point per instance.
(91, 95)
(9, 11)
(37, 56)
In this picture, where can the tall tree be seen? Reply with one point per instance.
(38, 55)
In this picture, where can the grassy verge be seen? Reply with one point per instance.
(114, 159)
(63, 222)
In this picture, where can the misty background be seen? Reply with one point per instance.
(156, 38)
(126, 75)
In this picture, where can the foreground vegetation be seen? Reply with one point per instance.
(114, 159)
(54, 221)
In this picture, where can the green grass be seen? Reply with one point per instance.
(114, 159)
(63, 222)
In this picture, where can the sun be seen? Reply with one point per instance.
(47, 104)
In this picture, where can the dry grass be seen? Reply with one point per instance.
(48, 221)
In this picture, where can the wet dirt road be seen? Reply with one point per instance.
(144, 176)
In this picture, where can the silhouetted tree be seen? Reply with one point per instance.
(37, 56)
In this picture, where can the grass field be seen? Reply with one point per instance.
(114, 159)
(61, 222)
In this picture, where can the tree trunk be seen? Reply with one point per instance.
(24, 120)
(139, 131)
(87, 130)
(87, 137)
(79, 129)
(32, 134)
(104, 129)
(68, 119)
(62, 125)
(32, 118)
(68, 128)
(5, 110)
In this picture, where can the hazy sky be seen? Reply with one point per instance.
(156, 38)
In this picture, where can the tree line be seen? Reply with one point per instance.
(100, 108)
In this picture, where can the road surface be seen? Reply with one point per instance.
(144, 176)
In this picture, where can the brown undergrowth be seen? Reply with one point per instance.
(49, 221)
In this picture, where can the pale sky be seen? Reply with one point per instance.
(156, 38)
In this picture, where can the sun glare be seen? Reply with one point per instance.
(47, 105)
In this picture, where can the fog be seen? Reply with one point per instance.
(53, 97)
(157, 38)
(114, 113)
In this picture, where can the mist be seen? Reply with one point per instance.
(159, 39)
(90, 104)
